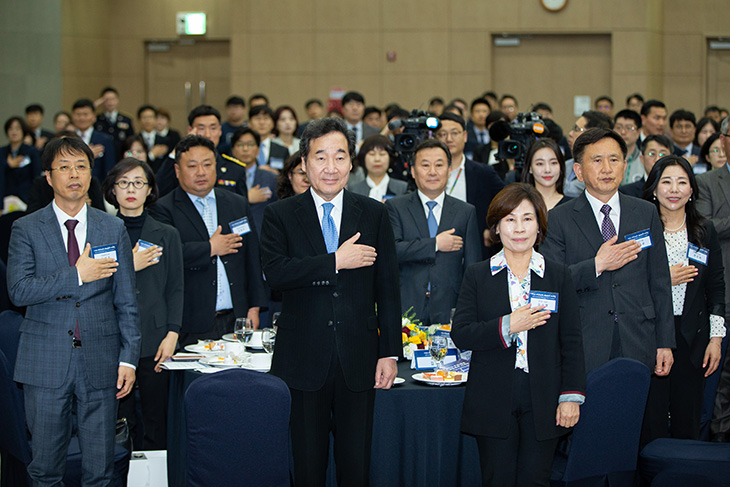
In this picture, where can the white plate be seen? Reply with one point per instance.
(230, 338)
(421, 378)
(197, 348)
(218, 362)
(398, 381)
(251, 367)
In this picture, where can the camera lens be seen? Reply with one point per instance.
(407, 142)
(512, 149)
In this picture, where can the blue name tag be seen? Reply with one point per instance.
(643, 237)
(697, 254)
(543, 298)
(276, 163)
(144, 245)
(104, 252)
(422, 359)
(240, 226)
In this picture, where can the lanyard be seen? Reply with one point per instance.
(458, 175)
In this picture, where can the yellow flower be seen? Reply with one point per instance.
(415, 340)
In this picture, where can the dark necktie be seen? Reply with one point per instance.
(607, 229)
(73, 256)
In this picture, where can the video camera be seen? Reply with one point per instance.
(514, 138)
(416, 128)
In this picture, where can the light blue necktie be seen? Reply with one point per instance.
(432, 225)
(211, 227)
(329, 231)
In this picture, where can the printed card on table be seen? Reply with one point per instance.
(104, 252)
(422, 359)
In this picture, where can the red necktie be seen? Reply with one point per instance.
(73, 256)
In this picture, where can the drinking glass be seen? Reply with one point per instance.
(243, 330)
(268, 339)
(437, 348)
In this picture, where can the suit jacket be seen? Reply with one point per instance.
(396, 187)
(200, 275)
(677, 151)
(704, 296)
(103, 163)
(554, 351)
(40, 278)
(157, 162)
(482, 184)
(638, 294)
(713, 202)
(160, 287)
(635, 189)
(472, 146)
(323, 311)
(420, 263)
(229, 175)
(19, 180)
(264, 179)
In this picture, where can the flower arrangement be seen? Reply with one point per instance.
(415, 335)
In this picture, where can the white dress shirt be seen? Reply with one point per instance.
(456, 186)
(378, 191)
(335, 213)
(614, 215)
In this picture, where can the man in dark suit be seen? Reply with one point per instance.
(157, 145)
(655, 147)
(624, 290)
(111, 122)
(271, 155)
(713, 202)
(332, 255)
(220, 248)
(476, 128)
(683, 126)
(469, 181)
(436, 237)
(353, 110)
(205, 121)
(34, 119)
(235, 120)
(101, 144)
(80, 339)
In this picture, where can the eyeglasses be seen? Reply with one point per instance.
(245, 145)
(715, 151)
(132, 153)
(578, 129)
(620, 128)
(137, 183)
(81, 169)
(651, 153)
(445, 135)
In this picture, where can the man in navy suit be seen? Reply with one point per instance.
(683, 125)
(102, 145)
(436, 237)
(80, 339)
(469, 181)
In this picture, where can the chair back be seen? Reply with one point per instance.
(13, 435)
(237, 429)
(606, 438)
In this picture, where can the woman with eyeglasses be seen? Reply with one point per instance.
(698, 298)
(712, 152)
(130, 186)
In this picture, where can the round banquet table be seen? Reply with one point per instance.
(416, 437)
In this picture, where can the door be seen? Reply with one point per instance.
(718, 76)
(173, 66)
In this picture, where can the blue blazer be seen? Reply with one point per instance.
(264, 179)
(40, 278)
(103, 163)
(18, 181)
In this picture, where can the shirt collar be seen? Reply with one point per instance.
(499, 261)
(62, 216)
(596, 204)
(195, 198)
(439, 199)
(383, 183)
(85, 134)
(319, 201)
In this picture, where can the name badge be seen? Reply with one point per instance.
(276, 163)
(542, 298)
(643, 237)
(240, 226)
(104, 252)
(24, 162)
(144, 245)
(698, 254)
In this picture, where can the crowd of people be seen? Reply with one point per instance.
(621, 225)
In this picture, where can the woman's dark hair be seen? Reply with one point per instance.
(701, 124)
(120, 169)
(284, 189)
(705, 149)
(129, 141)
(506, 201)
(279, 111)
(375, 141)
(695, 221)
(23, 125)
(544, 143)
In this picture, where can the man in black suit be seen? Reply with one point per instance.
(353, 109)
(34, 119)
(222, 267)
(271, 155)
(204, 120)
(157, 145)
(436, 237)
(111, 122)
(684, 125)
(624, 290)
(469, 181)
(476, 127)
(655, 147)
(331, 253)
(101, 144)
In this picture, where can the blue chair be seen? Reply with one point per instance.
(14, 443)
(686, 457)
(605, 442)
(238, 429)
